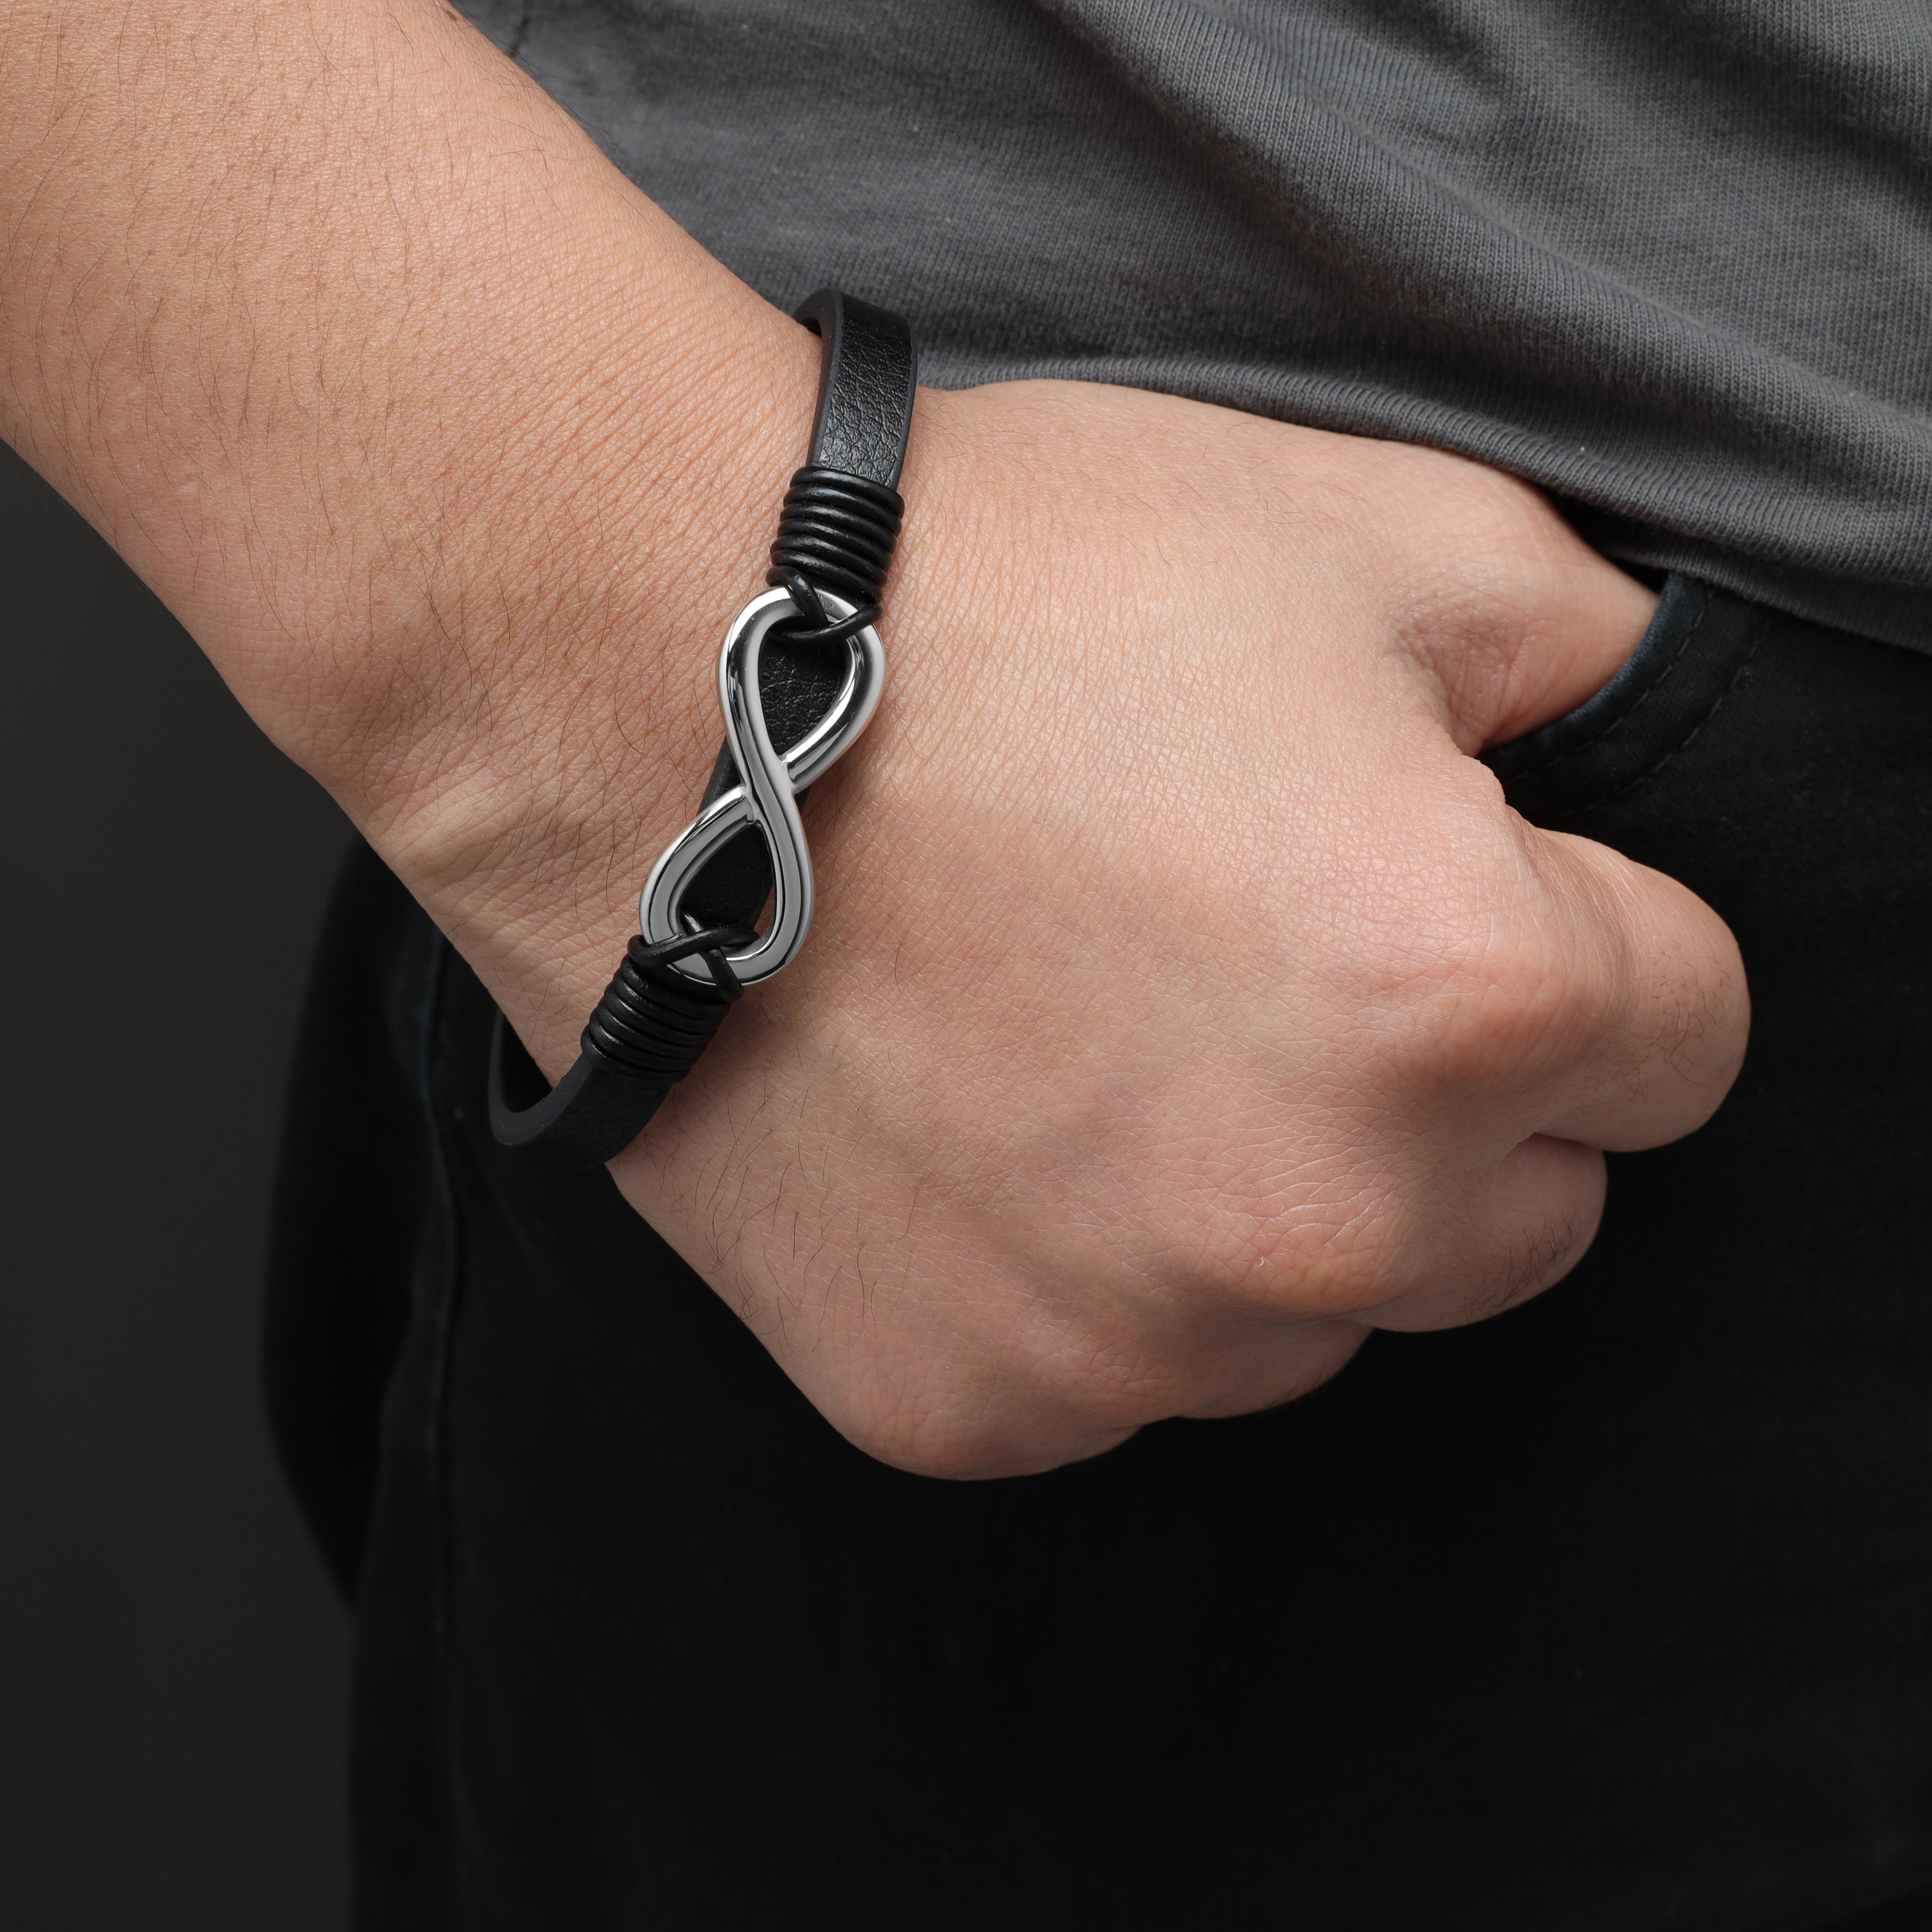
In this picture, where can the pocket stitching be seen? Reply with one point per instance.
(1684, 743)
(1643, 697)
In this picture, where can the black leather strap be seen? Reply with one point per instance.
(840, 521)
(868, 371)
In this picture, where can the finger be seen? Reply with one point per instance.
(1519, 619)
(1278, 1366)
(1501, 1239)
(1573, 636)
(1481, 1244)
(1661, 1013)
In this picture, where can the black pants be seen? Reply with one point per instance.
(1614, 1613)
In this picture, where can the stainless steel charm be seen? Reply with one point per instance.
(764, 798)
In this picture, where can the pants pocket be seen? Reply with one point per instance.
(1698, 646)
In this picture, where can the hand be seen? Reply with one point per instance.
(1184, 1002)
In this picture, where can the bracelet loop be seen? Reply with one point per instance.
(838, 531)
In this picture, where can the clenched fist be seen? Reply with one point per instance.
(1184, 1001)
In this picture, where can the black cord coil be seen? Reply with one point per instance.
(837, 531)
(655, 1022)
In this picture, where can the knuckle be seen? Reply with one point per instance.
(1543, 1256)
(1328, 1236)
(944, 1455)
(1701, 1009)
(951, 1440)
(1028, 1411)
(1344, 1256)
(1505, 1000)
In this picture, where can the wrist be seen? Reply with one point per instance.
(450, 451)
(575, 717)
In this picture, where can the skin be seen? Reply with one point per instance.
(1183, 1002)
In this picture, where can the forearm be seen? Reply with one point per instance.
(351, 343)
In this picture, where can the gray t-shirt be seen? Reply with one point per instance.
(1671, 259)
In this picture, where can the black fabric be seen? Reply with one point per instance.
(1613, 1613)
(349, 1202)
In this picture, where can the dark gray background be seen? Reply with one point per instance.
(171, 1679)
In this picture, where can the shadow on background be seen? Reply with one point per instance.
(172, 1678)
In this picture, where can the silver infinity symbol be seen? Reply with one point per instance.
(764, 798)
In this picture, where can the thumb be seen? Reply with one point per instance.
(1515, 618)
(1579, 636)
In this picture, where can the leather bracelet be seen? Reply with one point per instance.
(802, 666)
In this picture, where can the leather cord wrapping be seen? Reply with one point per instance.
(837, 529)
